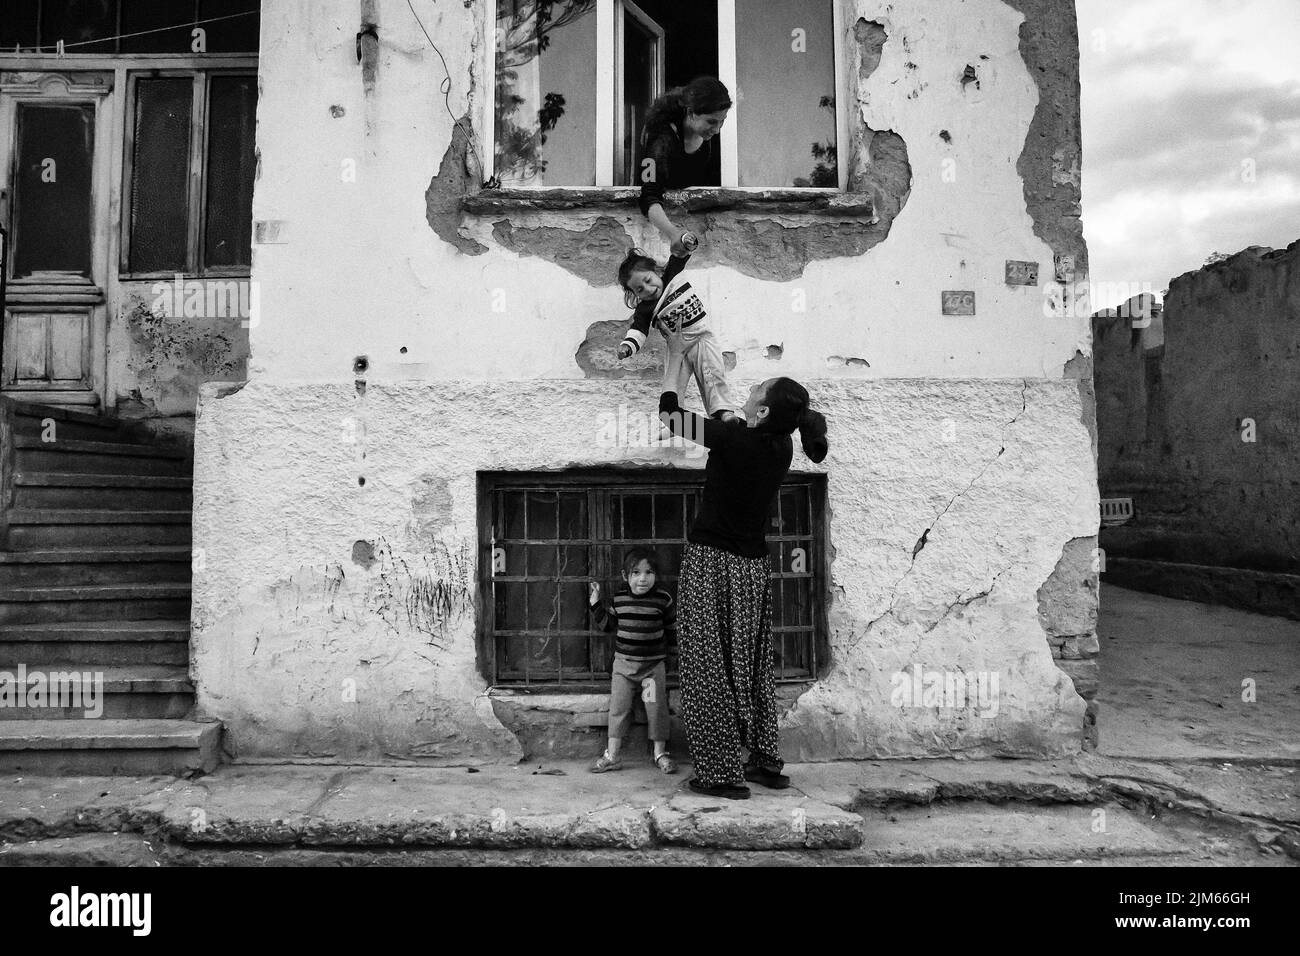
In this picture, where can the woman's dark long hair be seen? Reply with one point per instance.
(788, 408)
(704, 94)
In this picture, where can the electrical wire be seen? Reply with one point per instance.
(445, 89)
(140, 33)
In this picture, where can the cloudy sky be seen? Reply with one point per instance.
(1191, 132)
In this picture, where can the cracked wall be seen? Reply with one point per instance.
(306, 646)
(961, 480)
(963, 177)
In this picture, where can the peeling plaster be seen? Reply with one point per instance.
(1049, 163)
(592, 254)
(168, 358)
(442, 199)
(999, 504)
(771, 247)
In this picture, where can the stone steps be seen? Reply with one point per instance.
(97, 643)
(108, 747)
(147, 691)
(44, 490)
(94, 602)
(66, 567)
(50, 529)
(95, 580)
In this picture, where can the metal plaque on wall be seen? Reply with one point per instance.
(958, 303)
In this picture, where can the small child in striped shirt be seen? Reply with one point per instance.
(646, 621)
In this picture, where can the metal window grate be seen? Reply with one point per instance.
(546, 537)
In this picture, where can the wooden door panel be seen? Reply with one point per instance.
(27, 345)
(47, 350)
(69, 336)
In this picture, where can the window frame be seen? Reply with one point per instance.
(598, 480)
(196, 236)
(609, 86)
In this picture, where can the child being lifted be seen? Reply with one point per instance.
(669, 300)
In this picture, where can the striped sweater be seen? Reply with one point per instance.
(646, 626)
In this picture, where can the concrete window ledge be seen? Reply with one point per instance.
(710, 199)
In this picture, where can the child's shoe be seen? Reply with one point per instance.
(605, 763)
(666, 763)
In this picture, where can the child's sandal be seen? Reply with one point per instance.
(605, 763)
(666, 763)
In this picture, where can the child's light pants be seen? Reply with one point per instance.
(702, 360)
(632, 678)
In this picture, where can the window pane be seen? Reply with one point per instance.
(78, 23)
(543, 606)
(160, 206)
(785, 66)
(546, 92)
(511, 522)
(573, 516)
(641, 45)
(668, 515)
(510, 611)
(690, 49)
(52, 224)
(18, 25)
(542, 516)
(238, 34)
(691, 38)
(542, 560)
(637, 524)
(231, 168)
(573, 607)
(577, 563)
(146, 16)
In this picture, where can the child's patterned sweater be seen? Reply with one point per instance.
(679, 307)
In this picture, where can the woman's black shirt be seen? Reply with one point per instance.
(744, 473)
(673, 168)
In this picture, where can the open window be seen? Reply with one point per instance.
(575, 78)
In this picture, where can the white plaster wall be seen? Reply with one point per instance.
(358, 270)
(962, 425)
(284, 618)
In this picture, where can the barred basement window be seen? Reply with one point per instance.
(545, 537)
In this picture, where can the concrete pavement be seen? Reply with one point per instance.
(1187, 772)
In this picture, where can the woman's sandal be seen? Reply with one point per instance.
(605, 763)
(666, 763)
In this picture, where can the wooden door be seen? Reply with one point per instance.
(54, 159)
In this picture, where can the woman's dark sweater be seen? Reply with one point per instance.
(744, 473)
(674, 168)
